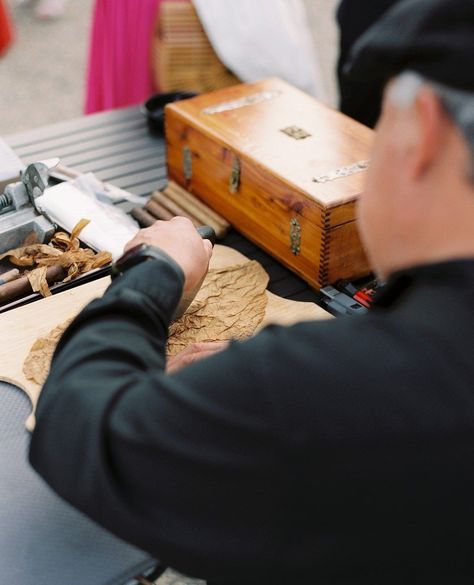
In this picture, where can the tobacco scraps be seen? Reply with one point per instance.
(230, 305)
(38, 361)
(63, 252)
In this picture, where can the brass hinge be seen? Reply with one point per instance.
(295, 236)
(187, 163)
(234, 182)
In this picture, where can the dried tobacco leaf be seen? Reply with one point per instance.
(64, 250)
(27, 255)
(77, 229)
(38, 282)
(67, 242)
(38, 361)
(230, 305)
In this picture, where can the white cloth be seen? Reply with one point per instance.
(109, 229)
(263, 38)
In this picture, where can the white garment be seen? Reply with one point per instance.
(263, 38)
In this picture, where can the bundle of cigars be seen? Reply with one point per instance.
(176, 201)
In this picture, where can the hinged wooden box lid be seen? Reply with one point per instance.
(281, 167)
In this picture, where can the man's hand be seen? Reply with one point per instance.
(180, 240)
(194, 353)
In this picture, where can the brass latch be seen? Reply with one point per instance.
(296, 132)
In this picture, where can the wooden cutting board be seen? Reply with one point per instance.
(20, 327)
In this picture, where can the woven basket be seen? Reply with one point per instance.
(183, 57)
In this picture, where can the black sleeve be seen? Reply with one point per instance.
(182, 466)
(225, 468)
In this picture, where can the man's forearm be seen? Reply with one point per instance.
(98, 358)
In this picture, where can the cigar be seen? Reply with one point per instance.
(204, 217)
(22, 287)
(178, 194)
(169, 204)
(158, 210)
(144, 218)
(9, 276)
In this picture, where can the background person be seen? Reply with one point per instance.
(358, 99)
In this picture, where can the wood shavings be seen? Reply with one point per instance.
(230, 305)
(37, 364)
(63, 251)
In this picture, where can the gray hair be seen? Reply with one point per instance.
(458, 104)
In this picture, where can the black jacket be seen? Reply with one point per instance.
(327, 452)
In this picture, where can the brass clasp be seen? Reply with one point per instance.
(187, 163)
(234, 182)
(295, 236)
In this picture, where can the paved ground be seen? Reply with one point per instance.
(43, 74)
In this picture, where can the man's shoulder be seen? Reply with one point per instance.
(368, 376)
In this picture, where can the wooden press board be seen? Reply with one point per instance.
(20, 327)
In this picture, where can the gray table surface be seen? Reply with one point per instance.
(43, 540)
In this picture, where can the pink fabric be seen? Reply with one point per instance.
(119, 72)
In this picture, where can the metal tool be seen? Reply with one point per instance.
(19, 217)
(339, 303)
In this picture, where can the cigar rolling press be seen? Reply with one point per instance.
(19, 217)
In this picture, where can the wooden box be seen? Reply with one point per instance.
(279, 166)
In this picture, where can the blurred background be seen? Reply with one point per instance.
(44, 71)
(42, 76)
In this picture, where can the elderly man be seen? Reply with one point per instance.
(330, 452)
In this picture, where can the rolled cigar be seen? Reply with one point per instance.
(201, 216)
(175, 209)
(144, 218)
(9, 276)
(183, 195)
(22, 287)
(158, 210)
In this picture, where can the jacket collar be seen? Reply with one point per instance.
(455, 272)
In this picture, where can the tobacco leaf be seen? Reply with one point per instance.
(26, 255)
(37, 364)
(64, 250)
(67, 242)
(230, 305)
(38, 282)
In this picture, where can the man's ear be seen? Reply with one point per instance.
(431, 128)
